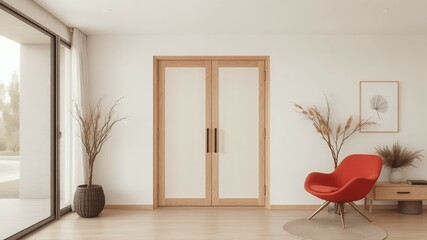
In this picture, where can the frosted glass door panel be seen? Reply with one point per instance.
(185, 132)
(238, 163)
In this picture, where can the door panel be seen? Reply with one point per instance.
(238, 134)
(238, 113)
(186, 163)
(184, 135)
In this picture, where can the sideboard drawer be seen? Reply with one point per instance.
(400, 193)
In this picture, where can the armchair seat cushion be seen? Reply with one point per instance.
(323, 188)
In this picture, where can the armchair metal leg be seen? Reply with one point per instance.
(341, 208)
(341, 211)
(326, 203)
(359, 211)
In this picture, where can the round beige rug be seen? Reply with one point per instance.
(330, 228)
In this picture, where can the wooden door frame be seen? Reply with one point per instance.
(156, 115)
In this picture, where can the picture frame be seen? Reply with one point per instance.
(379, 103)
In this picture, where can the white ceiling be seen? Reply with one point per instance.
(242, 16)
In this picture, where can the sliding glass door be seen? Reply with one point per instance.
(65, 126)
(27, 139)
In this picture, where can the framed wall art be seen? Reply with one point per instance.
(379, 102)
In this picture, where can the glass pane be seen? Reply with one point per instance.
(25, 125)
(185, 132)
(238, 132)
(65, 127)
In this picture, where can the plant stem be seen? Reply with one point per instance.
(90, 178)
(378, 115)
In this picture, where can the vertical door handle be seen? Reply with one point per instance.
(216, 140)
(207, 140)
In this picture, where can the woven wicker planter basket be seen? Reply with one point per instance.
(89, 202)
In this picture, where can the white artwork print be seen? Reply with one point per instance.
(379, 102)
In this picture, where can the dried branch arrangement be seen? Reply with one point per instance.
(398, 156)
(95, 128)
(334, 137)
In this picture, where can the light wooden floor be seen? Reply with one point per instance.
(212, 223)
(17, 214)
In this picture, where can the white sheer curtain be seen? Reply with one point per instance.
(79, 88)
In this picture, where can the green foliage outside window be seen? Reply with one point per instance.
(9, 117)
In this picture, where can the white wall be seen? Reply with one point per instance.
(40, 15)
(302, 69)
(35, 121)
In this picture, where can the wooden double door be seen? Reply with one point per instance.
(211, 132)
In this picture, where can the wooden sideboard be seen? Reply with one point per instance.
(396, 192)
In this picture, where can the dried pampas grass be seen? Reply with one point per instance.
(335, 137)
(398, 156)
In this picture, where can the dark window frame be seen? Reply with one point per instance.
(55, 43)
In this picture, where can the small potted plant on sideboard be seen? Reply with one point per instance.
(397, 157)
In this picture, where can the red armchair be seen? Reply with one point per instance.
(351, 181)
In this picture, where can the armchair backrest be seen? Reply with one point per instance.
(358, 165)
